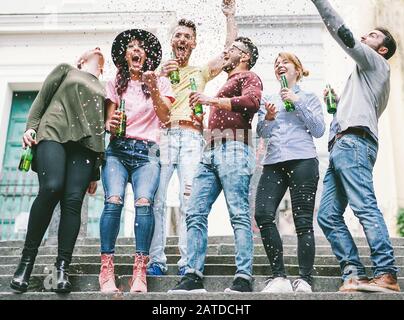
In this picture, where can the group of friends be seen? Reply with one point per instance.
(69, 117)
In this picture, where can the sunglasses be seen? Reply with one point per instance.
(236, 47)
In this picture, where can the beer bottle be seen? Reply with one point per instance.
(331, 101)
(121, 130)
(198, 109)
(288, 105)
(174, 75)
(26, 157)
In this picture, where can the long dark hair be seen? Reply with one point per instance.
(123, 74)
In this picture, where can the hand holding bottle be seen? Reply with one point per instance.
(331, 99)
(171, 70)
(288, 95)
(168, 67)
(325, 94)
(28, 139)
(285, 91)
(113, 123)
(197, 97)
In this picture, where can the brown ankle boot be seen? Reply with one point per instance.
(386, 283)
(352, 285)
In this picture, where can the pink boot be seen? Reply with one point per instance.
(138, 283)
(107, 276)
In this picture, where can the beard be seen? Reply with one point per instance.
(231, 64)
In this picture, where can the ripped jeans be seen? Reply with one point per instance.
(137, 162)
(181, 150)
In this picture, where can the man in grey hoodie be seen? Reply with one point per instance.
(353, 146)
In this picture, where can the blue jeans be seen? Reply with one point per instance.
(227, 167)
(180, 149)
(134, 161)
(349, 180)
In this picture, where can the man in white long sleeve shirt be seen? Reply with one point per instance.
(353, 146)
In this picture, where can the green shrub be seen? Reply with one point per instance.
(400, 222)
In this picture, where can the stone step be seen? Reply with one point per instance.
(210, 269)
(287, 240)
(206, 296)
(173, 259)
(89, 283)
(212, 249)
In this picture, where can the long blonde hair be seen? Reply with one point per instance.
(302, 72)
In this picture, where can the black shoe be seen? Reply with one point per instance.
(240, 285)
(62, 271)
(190, 283)
(21, 276)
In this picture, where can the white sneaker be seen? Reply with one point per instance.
(301, 286)
(278, 285)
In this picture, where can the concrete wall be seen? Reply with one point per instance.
(390, 14)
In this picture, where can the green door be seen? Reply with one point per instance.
(17, 189)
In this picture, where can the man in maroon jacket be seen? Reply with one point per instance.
(227, 164)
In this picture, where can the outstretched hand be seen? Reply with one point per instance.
(229, 7)
(271, 111)
(150, 80)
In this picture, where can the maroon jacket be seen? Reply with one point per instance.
(245, 90)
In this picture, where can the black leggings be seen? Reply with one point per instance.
(64, 173)
(301, 177)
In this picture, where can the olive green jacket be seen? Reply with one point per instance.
(70, 107)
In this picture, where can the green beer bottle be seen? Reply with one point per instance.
(121, 130)
(174, 75)
(331, 101)
(198, 109)
(26, 157)
(288, 105)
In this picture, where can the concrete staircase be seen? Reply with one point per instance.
(219, 272)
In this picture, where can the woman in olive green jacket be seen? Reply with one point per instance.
(66, 127)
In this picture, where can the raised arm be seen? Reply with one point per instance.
(229, 10)
(361, 53)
